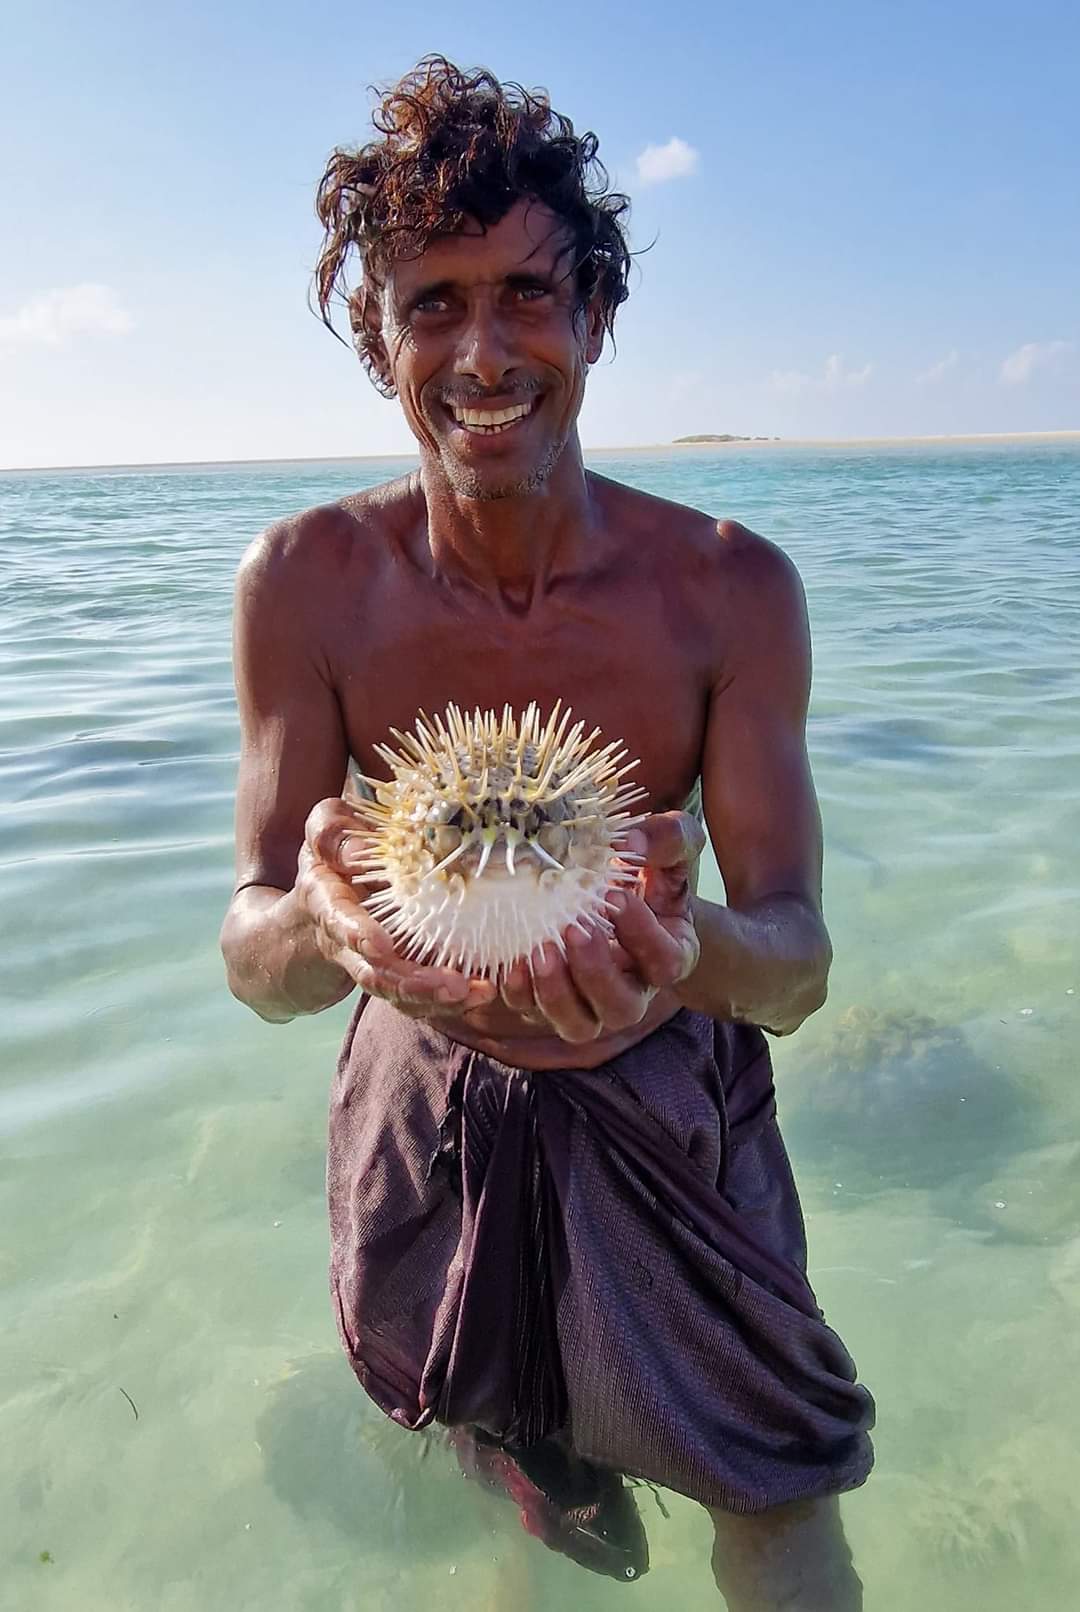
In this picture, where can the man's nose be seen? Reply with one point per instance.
(484, 352)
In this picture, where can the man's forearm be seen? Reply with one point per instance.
(274, 965)
(768, 965)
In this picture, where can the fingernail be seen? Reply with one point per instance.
(575, 939)
(450, 993)
(616, 901)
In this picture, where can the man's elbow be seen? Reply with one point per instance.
(812, 998)
(810, 994)
(796, 1012)
(815, 990)
(269, 1012)
(238, 976)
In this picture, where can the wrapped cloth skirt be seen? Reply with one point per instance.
(613, 1258)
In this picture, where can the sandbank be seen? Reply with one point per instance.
(762, 444)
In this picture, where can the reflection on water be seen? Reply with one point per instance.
(161, 1196)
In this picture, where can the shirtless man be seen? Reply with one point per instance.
(502, 572)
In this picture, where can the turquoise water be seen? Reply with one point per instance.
(161, 1150)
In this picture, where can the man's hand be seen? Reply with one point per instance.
(605, 985)
(346, 933)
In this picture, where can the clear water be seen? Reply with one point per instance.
(162, 1238)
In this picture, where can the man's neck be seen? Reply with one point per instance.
(511, 546)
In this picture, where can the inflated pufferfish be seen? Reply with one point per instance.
(494, 835)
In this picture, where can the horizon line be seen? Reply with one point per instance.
(629, 447)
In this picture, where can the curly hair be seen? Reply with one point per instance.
(458, 147)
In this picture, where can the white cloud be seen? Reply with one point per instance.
(836, 376)
(789, 382)
(50, 319)
(937, 371)
(1021, 365)
(674, 161)
(833, 378)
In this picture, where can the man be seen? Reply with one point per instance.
(562, 1218)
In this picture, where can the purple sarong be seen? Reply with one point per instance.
(616, 1254)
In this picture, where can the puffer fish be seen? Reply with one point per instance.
(494, 835)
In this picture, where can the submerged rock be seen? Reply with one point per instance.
(331, 1455)
(896, 1099)
(1034, 1197)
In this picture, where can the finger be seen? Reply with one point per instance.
(516, 988)
(616, 997)
(337, 909)
(667, 838)
(329, 827)
(517, 992)
(377, 966)
(413, 986)
(557, 996)
(666, 892)
(417, 982)
(660, 958)
(356, 940)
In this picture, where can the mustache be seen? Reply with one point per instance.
(518, 394)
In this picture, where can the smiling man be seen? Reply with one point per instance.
(563, 1222)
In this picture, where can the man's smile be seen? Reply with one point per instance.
(494, 418)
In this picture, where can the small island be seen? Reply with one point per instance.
(725, 436)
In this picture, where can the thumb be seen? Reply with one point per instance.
(667, 839)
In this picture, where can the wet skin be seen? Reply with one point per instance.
(504, 573)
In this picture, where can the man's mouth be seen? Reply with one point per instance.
(490, 422)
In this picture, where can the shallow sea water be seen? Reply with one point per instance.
(162, 1228)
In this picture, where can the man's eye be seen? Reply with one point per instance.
(430, 305)
(531, 293)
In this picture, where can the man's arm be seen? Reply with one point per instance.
(765, 956)
(297, 937)
(293, 754)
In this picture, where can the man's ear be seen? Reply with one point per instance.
(594, 330)
(365, 316)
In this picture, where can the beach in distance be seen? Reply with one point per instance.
(180, 1430)
(1034, 438)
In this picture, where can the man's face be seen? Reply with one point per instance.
(488, 349)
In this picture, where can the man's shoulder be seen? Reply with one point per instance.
(731, 552)
(755, 562)
(326, 540)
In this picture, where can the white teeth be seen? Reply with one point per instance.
(490, 419)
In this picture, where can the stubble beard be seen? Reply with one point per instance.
(467, 484)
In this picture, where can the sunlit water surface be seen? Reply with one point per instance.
(163, 1242)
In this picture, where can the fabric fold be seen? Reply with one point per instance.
(615, 1254)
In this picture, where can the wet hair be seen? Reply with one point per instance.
(456, 148)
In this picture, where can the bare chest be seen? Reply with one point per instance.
(627, 661)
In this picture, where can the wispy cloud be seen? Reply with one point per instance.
(51, 319)
(938, 371)
(674, 161)
(1021, 365)
(789, 382)
(836, 376)
(833, 377)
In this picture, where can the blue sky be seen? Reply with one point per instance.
(876, 232)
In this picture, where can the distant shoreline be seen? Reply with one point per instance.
(854, 442)
(765, 444)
